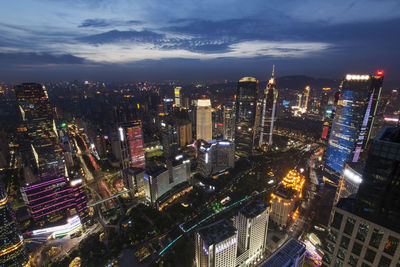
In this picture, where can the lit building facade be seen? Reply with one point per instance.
(204, 120)
(364, 228)
(352, 124)
(229, 122)
(251, 223)
(214, 156)
(284, 200)
(246, 113)
(178, 96)
(160, 180)
(268, 113)
(185, 133)
(51, 197)
(131, 142)
(350, 180)
(216, 245)
(12, 250)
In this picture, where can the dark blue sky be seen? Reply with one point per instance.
(47, 40)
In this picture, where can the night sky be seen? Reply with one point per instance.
(45, 40)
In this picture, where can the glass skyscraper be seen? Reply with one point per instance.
(351, 127)
(268, 112)
(246, 109)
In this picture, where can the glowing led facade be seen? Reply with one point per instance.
(354, 117)
(12, 251)
(131, 141)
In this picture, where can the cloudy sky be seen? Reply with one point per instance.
(195, 40)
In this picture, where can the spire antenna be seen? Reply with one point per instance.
(273, 71)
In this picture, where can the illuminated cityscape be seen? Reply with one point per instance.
(199, 133)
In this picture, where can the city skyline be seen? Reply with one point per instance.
(186, 40)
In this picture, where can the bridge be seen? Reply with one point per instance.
(92, 204)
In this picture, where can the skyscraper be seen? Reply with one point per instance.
(49, 195)
(178, 96)
(204, 120)
(252, 225)
(216, 245)
(364, 228)
(131, 141)
(352, 124)
(246, 109)
(268, 112)
(229, 122)
(12, 251)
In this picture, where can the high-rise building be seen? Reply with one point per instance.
(352, 124)
(204, 120)
(159, 180)
(131, 142)
(364, 228)
(50, 196)
(229, 122)
(12, 251)
(216, 245)
(178, 96)
(185, 133)
(268, 112)
(251, 223)
(285, 198)
(246, 111)
(214, 156)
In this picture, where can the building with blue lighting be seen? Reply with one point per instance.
(354, 117)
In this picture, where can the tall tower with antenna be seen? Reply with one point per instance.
(268, 112)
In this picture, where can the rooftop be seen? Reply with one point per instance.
(389, 134)
(217, 232)
(286, 255)
(285, 192)
(248, 79)
(253, 209)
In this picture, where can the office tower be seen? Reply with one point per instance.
(12, 251)
(216, 245)
(291, 254)
(350, 180)
(48, 193)
(185, 133)
(159, 180)
(229, 122)
(268, 112)
(214, 156)
(204, 120)
(352, 124)
(365, 229)
(305, 99)
(134, 180)
(246, 109)
(178, 96)
(169, 136)
(131, 142)
(285, 198)
(251, 223)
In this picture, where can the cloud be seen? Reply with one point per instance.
(103, 23)
(115, 36)
(38, 59)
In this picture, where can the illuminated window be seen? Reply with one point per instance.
(391, 245)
